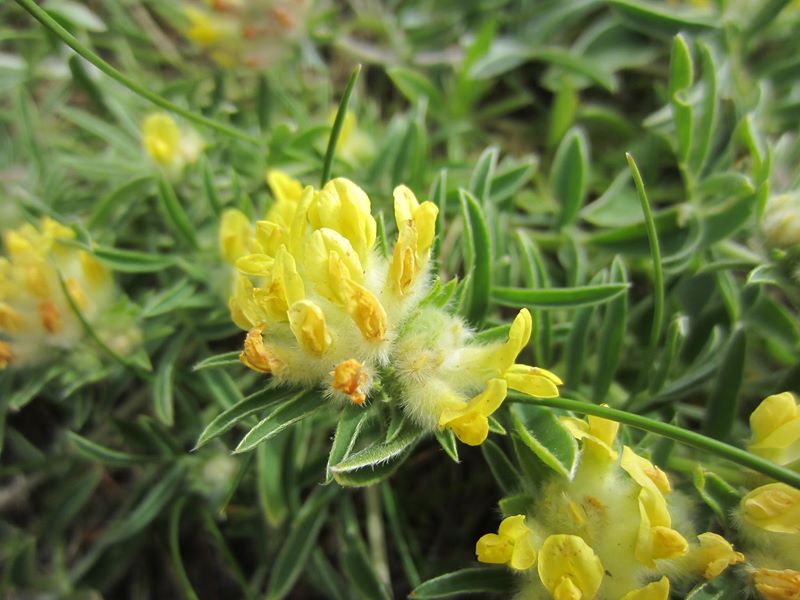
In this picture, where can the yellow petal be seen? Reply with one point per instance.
(366, 311)
(405, 265)
(493, 549)
(472, 428)
(773, 507)
(10, 319)
(657, 590)
(667, 543)
(513, 527)
(288, 193)
(405, 205)
(777, 585)
(533, 381)
(490, 399)
(270, 236)
(330, 261)
(523, 557)
(234, 232)
(161, 138)
(568, 566)
(776, 429)
(344, 207)
(518, 337)
(257, 265)
(307, 323)
(715, 554)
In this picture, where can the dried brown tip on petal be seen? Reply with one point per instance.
(257, 356)
(349, 378)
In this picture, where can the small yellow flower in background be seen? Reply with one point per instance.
(775, 425)
(774, 507)
(714, 555)
(772, 584)
(511, 545)
(353, 144)
(255, 34)
(656, 540)
(569, 568)
(35, 315)
(657, 590)
(168, 145)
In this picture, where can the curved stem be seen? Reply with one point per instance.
(673, 432)
(70, 40)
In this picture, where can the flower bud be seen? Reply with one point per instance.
(775, 424)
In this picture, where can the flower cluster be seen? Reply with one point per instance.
(35, 314)
(252, 33)
(610, 532)
(322, 306)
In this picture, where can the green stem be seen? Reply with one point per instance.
(337, 126)
(70, 40)
(673, 432)
(658, 274)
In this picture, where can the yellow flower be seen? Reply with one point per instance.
(656, 538)
(288, 193)
(470, 420)
(511, 545)
(569, 568)
(773, 507)
(657, 590)
(307, 322)
(715, 554)
(523, 378)
(777, 585)
(34, 311)
(416, 226)
(167, 145)
(598, 434)
(775, 424)
(343, 207)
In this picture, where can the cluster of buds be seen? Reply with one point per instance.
(253, 33)
(323, 307)
(35, 314)
(610, 532)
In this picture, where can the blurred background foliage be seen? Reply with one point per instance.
(526, 107)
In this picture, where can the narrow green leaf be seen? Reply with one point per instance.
(129, 192)
(510, 179)
(719, 495)
(399, 534)
(380, 452)
(611, 336)
(270, 483)
(107, 456)
(299, 543)
(257, 402)
(439, 195)
(225, 359)
(648, 17)
(348, 429)
(723, 405)
(447, 440)
(148, 508)
(478, 258)
(221, 387)
(209, 188)
(175, 213)
(681, 78)
(480, 183)
(535, 276)
(569, 175)
(658, 275)
(676, 334)
(162, 392)
(175, 549)
(85, 83)
(132, 261)
(357, 564)
(415, 86)
(286, 414)
(726, 585)
(518, 504)
(706, 120)
(169, 300)
(506, 475)
(558, 297)
(479, 580)
(541, 431)
(338, 122)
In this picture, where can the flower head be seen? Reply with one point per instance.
(35, 313)
(169, 146)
